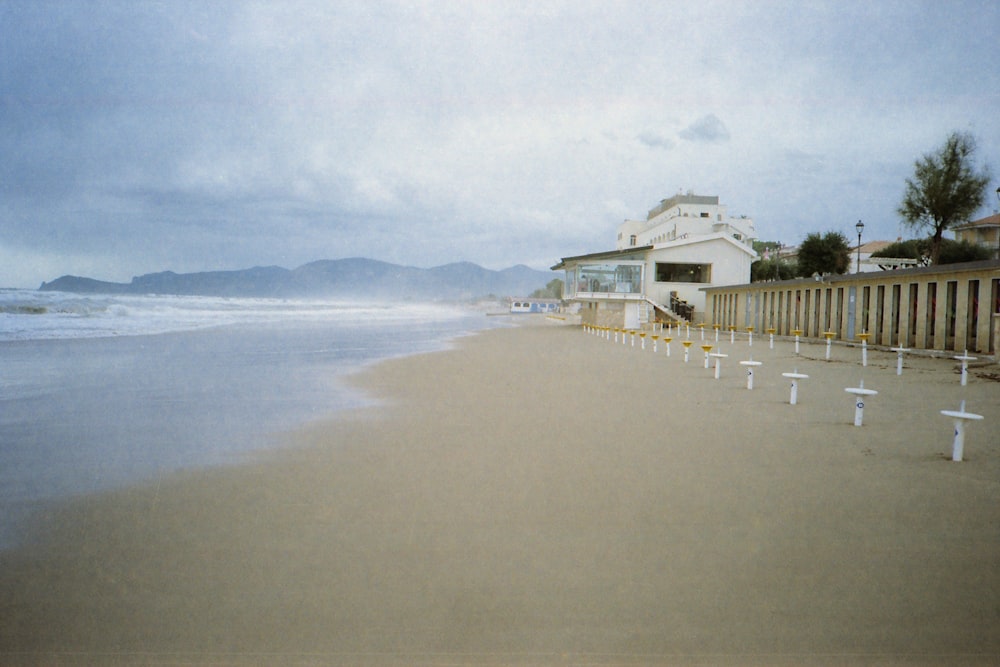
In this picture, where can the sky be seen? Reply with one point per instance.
(139, 136)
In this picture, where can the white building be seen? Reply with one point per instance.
(984, 232)
(661, 264)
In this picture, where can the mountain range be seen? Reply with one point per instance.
(341, 278)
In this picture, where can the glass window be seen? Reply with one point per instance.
(683, 273)
(610, 278)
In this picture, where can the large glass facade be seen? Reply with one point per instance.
(609, 278)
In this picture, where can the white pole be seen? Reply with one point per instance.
(795, 377)
(959, 444)
(859, 393)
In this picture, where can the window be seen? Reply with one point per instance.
(610, 278)
(683, 273)
(704, 214)
(631, 240)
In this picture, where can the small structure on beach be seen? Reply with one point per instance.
(660, 264)
(947, 307)
(534, 305)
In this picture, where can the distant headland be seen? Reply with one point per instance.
(353, 277)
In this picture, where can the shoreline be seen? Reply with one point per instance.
(532, 493)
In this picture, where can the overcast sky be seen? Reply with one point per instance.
(144, 136)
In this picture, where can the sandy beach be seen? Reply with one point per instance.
(538, 495)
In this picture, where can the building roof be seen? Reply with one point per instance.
(608, 254)
(988, 221)
(689, 198)
(873, 246)
(639, 250)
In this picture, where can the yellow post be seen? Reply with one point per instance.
(864, 347)
(829, 339)
(797, 333)
(708, 348)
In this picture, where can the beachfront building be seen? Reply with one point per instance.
(869, 263)
(661, 264)
(534, 305)
(950, 307)
(984, 232)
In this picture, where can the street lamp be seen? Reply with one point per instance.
(861, 227)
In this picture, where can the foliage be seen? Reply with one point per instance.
(950, 252)
(953, 252)
(825, 254)
(918, 249)
(945, 189)
(761, 246)
(552, 290)
(771, 266)
(771, 269)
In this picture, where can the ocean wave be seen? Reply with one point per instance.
(34, 315)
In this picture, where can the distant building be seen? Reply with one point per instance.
(660, 264)
(984, 232)
(870, 264)
(534, 305)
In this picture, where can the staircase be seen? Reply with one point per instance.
(665, 310)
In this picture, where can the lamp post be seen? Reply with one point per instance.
(860, 227)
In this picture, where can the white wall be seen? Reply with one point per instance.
(730, 266)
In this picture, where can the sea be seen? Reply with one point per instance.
(102, 392)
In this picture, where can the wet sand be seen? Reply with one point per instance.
(542, 496)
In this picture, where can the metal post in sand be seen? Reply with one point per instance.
(718, 363)
(960, 417)
(795, 377)
(859, 393)
(751, 365)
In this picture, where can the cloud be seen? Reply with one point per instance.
(707, 129)
(187, 135)
(655, 140)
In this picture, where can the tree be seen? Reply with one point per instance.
(552, 290)
(951, 252)
(945, 189)
(771, 269)
(829, 253)
(771, 266)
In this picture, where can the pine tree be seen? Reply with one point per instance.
(945, 189)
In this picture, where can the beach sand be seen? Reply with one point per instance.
(539, 495)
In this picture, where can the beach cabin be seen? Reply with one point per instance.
(950, 307)
(660, 264)
(533, 305)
